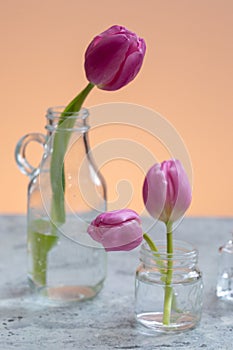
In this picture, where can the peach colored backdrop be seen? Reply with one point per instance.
(187, 77)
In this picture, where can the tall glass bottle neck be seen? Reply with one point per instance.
(77, 121)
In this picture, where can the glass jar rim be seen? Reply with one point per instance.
(182, 250)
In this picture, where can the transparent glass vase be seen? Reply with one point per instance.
(64, 195)
(168, 307)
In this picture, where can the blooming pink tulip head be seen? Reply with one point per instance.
(167, 192)
(114, 58)
(117, 230)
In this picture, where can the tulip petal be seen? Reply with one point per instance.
(116, 217)
(121, 235)
(127, 72)
(184, 193)
(126, 247)
(103, 60)
(115, 29)
(171, 175)
(154, 191)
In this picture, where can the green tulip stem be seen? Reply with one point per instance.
(153, 248)
(168, 288)
(60, 143)
(150, 242)
(170, 297)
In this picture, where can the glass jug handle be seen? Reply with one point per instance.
(20, 152)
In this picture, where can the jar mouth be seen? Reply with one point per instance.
(182, 251)
(54, 115)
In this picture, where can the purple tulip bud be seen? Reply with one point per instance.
(167, 193)
(117, 230)
(114, 58)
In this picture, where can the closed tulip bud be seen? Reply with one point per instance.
(167, 192)
(114, 58)
(117, 230)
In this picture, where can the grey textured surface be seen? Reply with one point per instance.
(107, 322)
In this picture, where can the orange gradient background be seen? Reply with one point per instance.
(187, 77)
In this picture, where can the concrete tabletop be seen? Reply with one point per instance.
(107, 322)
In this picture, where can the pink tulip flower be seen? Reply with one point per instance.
(114, 58)
(117, 230)
(167, 192)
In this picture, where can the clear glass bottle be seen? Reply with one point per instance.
(185, 288)
(225, 272)
(64, 263)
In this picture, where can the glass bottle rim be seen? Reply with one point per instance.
(55, 112)
(53, 118)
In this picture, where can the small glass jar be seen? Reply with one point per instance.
(225, 272)
(182, 309)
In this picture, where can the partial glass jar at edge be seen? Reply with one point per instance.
(186, 288)
(224, 288)
(64, 263)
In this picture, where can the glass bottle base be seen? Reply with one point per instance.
(64, 294)
(152, 322)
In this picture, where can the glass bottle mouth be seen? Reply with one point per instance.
(78, 120)
(184, 254)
